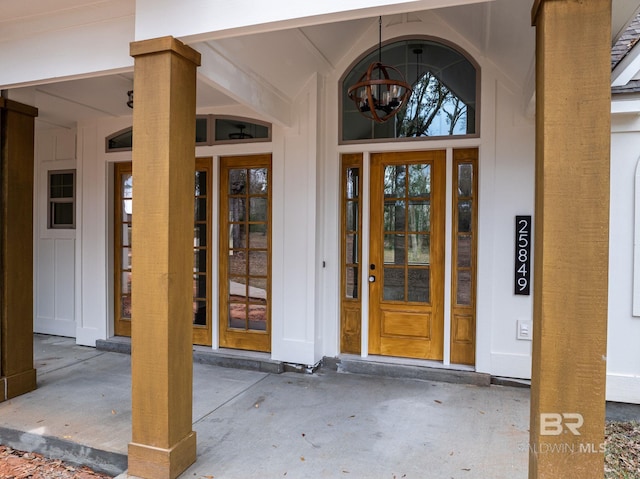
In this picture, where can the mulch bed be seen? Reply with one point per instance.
(622, 450)
(28, 465)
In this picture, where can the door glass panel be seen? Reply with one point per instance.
(393, 284)
(258, 209)
(464, 251)
(258, 236)
(200, 261)
(236, 209)
(237, 181)
(419, 180)
(258, 288)
(200, 205)
(257, 317)
(419, 216)
(394, 249)
(200, 235)
(463, 294)
(419, 290)
(126, 258)
(238, 315)
(258, 263)
(199, 286)
(394, 214)
(125, 284)
(125, 307)
(353, 183)
(394, 181)
(126, 235)
(352, 215)
(465, 179)
(464, 216)
(352, 249)
(200, 313)
(418, 246)
(258, 181)
(127, 210)
(237, 237)
(237, 262)
(351, 283)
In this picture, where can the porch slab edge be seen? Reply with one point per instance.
(105, 462)
(375, 368)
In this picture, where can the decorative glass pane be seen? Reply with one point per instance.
(258, 181)
(419, 249)
(464, 251)
(125, 284)
(237, 262)
(393, 286)
(236, 209)
(463, 294)
(258, 263)
(201, 183)
(200, 261)
(352, 216)
(394, 214)
(258, 209)
(352, 249)
(199, 286)
(419, 180)
(257, 317)
(237, 182)
(395, 181)
(353, 183)
(443, 101)
(125, 307)
(200, 313)
(120, 141)
(237, 236)
(200, 209)
(419, 285)
(465, 213)
(199, 235)
(238, 315)
(351, 283)
(394, 249)
(465, 179)
(419, 216)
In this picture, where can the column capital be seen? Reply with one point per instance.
(164, 44)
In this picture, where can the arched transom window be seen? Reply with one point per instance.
(445, 84)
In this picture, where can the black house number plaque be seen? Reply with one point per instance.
(522, 279)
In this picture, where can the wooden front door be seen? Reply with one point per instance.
(245, 252)
(201, 251)
(406, 270)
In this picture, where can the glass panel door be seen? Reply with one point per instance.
(201, 251)
(406, 267)
(245, 252)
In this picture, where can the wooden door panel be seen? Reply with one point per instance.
(406, 295)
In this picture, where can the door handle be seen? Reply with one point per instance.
(372, 278)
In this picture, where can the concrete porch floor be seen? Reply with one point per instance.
(253, 424)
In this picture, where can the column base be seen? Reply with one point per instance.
(150, 462)
(17, 384)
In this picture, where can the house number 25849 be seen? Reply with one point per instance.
(523, 255)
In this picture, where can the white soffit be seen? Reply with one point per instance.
(200, 20)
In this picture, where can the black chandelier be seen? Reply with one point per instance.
(381, 91)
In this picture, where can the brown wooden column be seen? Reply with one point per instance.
(571, 238)
(163, 443)
(17, 375)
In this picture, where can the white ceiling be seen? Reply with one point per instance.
(284, 60)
